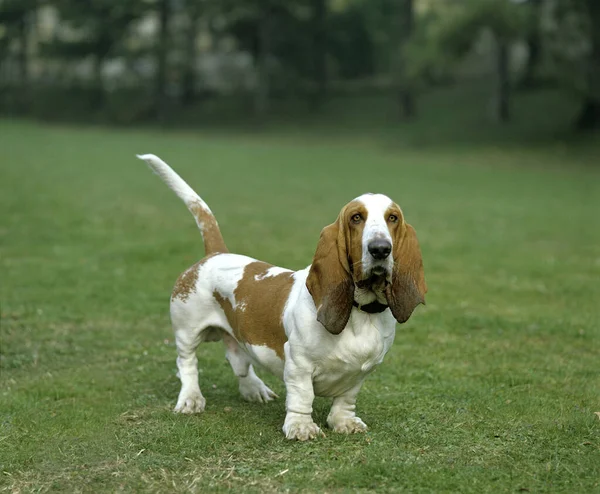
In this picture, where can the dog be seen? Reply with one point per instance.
(322, 329)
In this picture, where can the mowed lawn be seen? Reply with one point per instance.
(491, 387)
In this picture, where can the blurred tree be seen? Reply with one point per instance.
(406, 97)
(460, 30)
(344, 43)
(290, 43)
(194, 10)
(253, 24)
(305, 47)
(350, 41)
(319, 50)
(380, 18)
(589, 115)
(16, 19)
(266, 25)
(574, 46)
(534, 44)
(97, 29)
(164, 10)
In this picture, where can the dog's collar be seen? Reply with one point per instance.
(370, 308)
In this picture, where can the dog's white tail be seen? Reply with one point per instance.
(205, 219)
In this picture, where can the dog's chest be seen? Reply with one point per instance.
(350, 356)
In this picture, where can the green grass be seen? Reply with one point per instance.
(492, 387)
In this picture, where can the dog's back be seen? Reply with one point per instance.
(240, 296)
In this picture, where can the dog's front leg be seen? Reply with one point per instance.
(342, 417)
(298, 423)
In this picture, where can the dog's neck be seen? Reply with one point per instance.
(370, 290)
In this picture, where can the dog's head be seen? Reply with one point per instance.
(369, 248)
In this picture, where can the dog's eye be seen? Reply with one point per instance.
(392, 218)
(357, 218)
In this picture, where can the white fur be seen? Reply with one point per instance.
(316, 361)
(267, 358)
(173, 180)
(177, 185)
(271, 272)
(375, 228)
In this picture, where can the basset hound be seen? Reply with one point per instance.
(322, 329)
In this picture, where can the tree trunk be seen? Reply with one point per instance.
(261, 95)
(23, 60)
(534, 47)
(164, 15)
(188, 94)
(406, 98)
(104, 42)
(589, 115)
(98, 82)
(502, 96)
(319, 22)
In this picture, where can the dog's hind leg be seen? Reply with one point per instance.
(252, 388)
(190, 398)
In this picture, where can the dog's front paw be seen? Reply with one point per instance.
(347, 425)
(301, 428)
(190, 402)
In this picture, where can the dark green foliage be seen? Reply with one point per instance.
(302, 49)
(101, 24)
(352, 45)
(12, 11)
(574, 49)
(460, 27)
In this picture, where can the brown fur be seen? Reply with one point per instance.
(353, 236)
(257, 319)
(186, 283)
(230, 313)
(408, 287)
(211, 234)
(335, 268)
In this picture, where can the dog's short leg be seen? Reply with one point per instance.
(251, 386)
(299, 399)
(190, 398)
(342, 417)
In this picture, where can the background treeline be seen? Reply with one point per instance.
(128, 61)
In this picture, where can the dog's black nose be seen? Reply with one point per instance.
(380, 249)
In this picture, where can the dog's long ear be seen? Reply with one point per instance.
(408, 287)
(329, 280)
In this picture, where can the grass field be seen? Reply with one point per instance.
(491, 387)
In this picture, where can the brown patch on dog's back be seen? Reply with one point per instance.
(230, 313)
(257, 318)
(186, 283)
